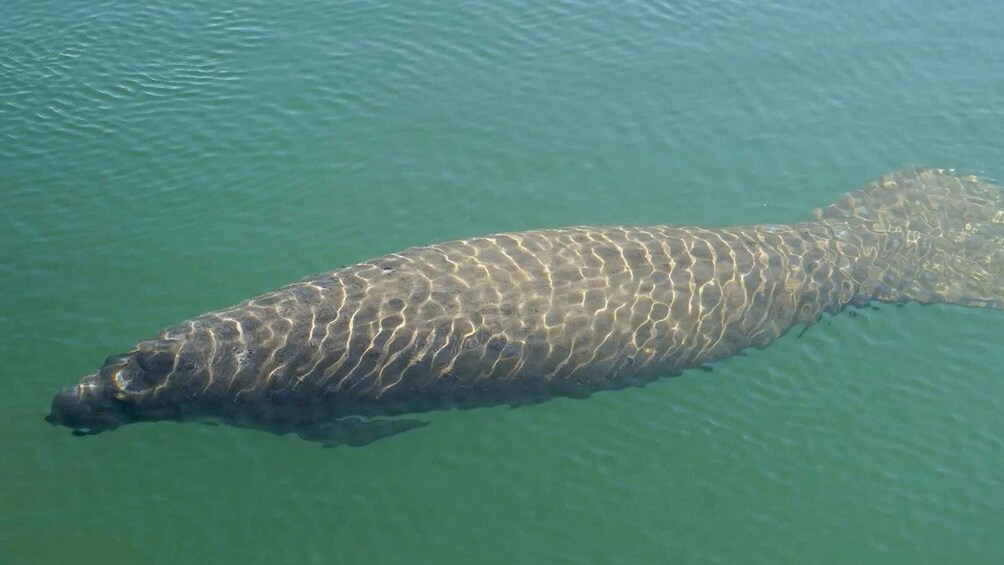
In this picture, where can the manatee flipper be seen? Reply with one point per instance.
(354, 432)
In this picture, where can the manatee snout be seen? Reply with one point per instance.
(88, 408)
(120, 392)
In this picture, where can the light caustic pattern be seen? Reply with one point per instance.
(522, 317)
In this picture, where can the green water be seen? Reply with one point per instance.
(160, 161)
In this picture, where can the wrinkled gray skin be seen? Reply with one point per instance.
(523, 317)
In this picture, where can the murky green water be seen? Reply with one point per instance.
(160, 161)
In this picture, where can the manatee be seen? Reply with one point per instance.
(350, 356)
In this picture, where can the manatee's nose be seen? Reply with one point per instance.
(68, 409)
(81, 407)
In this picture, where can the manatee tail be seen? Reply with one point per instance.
(924, 235)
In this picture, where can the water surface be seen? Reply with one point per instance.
(158, 161)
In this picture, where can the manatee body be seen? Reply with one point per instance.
(519, 318)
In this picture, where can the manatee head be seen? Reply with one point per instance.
(141, 385)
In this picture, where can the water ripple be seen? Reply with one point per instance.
(160, 160)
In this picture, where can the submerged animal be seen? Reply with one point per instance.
(519, 318)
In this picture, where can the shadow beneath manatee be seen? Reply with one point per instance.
(354, 432)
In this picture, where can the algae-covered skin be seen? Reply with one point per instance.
(518, 318)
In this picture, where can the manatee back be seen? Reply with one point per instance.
(517, 317)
